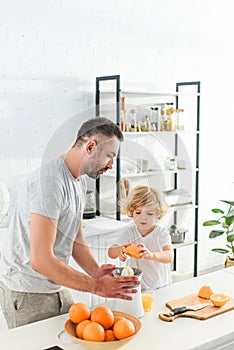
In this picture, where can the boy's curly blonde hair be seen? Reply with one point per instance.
(142, 196)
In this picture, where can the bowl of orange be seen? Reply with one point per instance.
(101, 328)
(219, 299)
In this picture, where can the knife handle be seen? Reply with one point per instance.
(178, 310)
(168, 317)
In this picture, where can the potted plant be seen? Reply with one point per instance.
(226, 227)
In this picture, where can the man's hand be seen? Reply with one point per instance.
(105, 269)
(116, 287)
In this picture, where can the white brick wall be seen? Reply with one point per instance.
(51, 52)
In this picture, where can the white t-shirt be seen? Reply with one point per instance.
(53, 192)
(155, 274)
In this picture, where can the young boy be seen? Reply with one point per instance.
(146, 206)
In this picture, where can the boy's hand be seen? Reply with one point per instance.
(123, 254)
(144, 253)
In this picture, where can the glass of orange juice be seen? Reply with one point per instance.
(147, 299)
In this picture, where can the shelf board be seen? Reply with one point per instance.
(182, 206)
(152, 133)
(183, 244)
(143, 94)
(143, 173)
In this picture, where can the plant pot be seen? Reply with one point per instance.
(229, 262)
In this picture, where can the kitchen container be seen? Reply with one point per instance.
(90, 206)
(177, 234)
(134, 306)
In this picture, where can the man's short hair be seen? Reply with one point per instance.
(98, 126)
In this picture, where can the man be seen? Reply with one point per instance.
(46, 229)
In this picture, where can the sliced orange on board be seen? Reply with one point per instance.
(219, 299)
(205, 292)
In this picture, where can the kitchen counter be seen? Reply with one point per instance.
(101, 225)
(181, 334)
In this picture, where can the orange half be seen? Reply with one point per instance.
(132, 251)
(205, 292)
(219, 299)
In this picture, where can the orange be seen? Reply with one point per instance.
(132, 251)
(80, 328)
(103, 315)
(205, 292)
(219, 299)
(124, 329)
(94, 332)
(79, 312)
(109, 335)
(118, 318)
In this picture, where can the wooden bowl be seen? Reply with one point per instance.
(70, 328)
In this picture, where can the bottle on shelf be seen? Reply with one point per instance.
(178, 125)
(159, 120)
(170, 117)
(147, 123)
(133, 121)
(164, 117)
(170, 163)
(155, 119)
(123, 123)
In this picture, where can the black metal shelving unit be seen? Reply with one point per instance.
(116, 78)
(197, 84)
(179, 85)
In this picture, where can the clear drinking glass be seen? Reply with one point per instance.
(148, 299)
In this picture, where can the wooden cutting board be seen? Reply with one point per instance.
(202, 314)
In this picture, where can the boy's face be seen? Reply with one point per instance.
(144, 217)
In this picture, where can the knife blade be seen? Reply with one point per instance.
(176, 312)
(196, 307)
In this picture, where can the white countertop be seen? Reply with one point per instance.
(181, 334)
(101, 225)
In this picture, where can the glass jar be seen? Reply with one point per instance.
(178, 125)
(90, 205)
(133, 121)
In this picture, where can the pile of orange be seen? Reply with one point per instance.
(100, 324)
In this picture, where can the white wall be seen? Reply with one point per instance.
(51, 52)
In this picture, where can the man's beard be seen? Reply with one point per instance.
(92, 171)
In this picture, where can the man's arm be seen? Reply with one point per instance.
(42, 259)
(82, 254)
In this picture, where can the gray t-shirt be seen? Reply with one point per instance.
(53, 192)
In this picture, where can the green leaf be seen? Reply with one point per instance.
(216, 210)
(220, 250)
(229, 220)
(215, 233)
(224, 225)
(230, 237)
(228, 202)
(211, 223)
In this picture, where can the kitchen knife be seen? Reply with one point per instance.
(170, 316)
